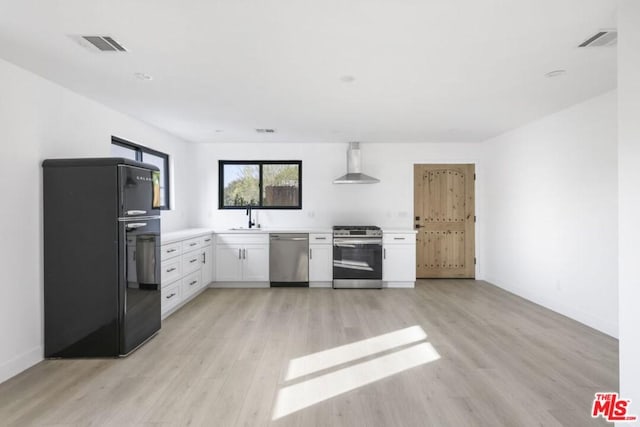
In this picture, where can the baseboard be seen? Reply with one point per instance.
(21, 363)
(240, 285)
(399, 284)
(320, 284)
(570, 311)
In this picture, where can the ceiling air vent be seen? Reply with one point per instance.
(601, 38)
(104, 43)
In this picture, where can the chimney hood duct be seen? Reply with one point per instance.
(354, 167)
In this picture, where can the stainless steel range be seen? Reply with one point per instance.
(357, 256)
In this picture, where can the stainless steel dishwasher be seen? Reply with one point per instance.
(289, 259)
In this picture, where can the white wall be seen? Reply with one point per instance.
(39, 120)
(551, 203)
(388, 203)
(629, 185)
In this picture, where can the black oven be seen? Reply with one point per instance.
(357, 261)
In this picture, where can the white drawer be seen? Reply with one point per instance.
(170, 270)
(320, 238)
(399, 238)
(191, 284)
(170, 250)
(171, 296)
(191, 261)
(206, 240)
(191, 244)
(242, 239)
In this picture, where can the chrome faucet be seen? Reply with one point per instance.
(251, 223)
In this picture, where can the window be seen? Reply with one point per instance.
(129, 150)
(263, 184)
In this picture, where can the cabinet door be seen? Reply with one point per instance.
(399, 263)
(320, 263)
(207, 265)
(256, 263)
(228, 263)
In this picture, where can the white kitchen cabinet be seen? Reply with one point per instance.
(255, 263)
(185, 269)
(191, 284)
(320, 259)
(207, 264)
(399, 260)
(171, 270)
(171, 296)
(229, 263)
(191, 261)
(242, 258)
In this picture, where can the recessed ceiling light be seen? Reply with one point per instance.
(143, 76)
(219, 130)
(347, 79)
(556, 73)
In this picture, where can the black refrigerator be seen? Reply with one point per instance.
(101, 256)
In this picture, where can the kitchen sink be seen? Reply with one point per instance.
(245, 229)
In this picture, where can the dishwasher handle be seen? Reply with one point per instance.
(290, 239)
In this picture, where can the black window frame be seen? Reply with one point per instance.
(260, 163)
(139, 150)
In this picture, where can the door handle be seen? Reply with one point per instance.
(136, 212)
(418, 226)
(135, 225)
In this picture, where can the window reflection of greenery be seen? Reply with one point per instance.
(245, 190)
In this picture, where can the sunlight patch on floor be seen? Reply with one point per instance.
(306, 393)
(346, 353)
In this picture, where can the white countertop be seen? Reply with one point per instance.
(184, 234)
(195, 232)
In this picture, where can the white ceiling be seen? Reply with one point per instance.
(439, 70)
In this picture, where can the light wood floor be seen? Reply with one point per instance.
(223, 359)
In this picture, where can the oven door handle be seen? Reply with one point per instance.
(351, 242)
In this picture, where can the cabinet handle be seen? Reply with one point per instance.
(244, 254)
(193, 283)
(398, 238)
(321, 238)
(193, 260)
(171, 269)
(170, 296)
(239, 253)
(204, 257)
(310, 253)
(207, 240)
(384, 253)
(170, 250)
(192, 244)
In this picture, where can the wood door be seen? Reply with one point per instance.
(444, 213)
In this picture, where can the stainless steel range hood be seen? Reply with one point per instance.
(354, 168)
